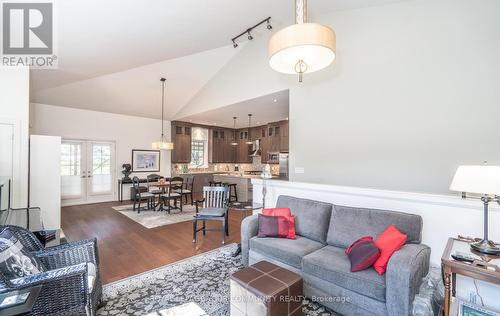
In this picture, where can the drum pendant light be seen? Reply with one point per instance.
(303, 47)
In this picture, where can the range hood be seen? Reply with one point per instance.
(255, 148)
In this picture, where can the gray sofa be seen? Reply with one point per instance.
(323, 232)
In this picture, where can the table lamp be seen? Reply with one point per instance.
(483, 180)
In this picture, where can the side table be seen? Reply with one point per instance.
(243, 208)
(485, 268)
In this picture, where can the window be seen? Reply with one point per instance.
(198, 153)
(199, 147)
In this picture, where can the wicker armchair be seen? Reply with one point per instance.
(64, 286)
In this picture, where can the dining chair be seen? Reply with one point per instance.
(174, 185)
(215, 208)
(141, 196)
(153, 178)
(187, 189)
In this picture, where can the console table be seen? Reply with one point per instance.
(121, 182)
(485, 268)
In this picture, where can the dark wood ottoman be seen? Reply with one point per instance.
(265, 289)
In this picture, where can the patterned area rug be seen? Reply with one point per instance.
(152, 219)
(202, 279)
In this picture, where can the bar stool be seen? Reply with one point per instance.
(233, 194)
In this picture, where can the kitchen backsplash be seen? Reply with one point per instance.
(256, 165)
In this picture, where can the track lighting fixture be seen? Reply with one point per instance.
(269, 26)
(247, 31)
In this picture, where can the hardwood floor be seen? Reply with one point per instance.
(127, 248)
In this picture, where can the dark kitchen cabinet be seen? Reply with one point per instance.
(274, 137)
(181, 137)
(244, 151)
(284, 138)
(222, 150)
(264, 149)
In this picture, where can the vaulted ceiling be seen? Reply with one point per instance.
(112, 53)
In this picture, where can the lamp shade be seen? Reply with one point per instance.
(162, 145)
(312, 43)
(477, 179)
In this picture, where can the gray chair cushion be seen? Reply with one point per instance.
(212, 211)
(311, 217)
(332, 264)
(348, 224)
(288, 251)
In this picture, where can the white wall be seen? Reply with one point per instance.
(14, 111)
(413, 94)
(443, 217)
(128, 132)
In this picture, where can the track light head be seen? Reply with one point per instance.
(269, 26)
(235, 44)
(250, 37)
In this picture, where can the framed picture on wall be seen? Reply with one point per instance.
(468, 309)
(145, 160)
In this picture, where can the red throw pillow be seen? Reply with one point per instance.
(273, 226)
(362, 239)
(363, 254)
(276, 212)
(388, 242)
(285, 212)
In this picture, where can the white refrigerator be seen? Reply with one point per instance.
(45, 179)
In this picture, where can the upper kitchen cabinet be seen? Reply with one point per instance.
(243, 149)
(181, 136)
(222, 150)
(255, 133)
(284, 138)
(218, 140)
(274, 137)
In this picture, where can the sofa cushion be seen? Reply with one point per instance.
(311, 217)
(289, 251)
(348, 224)
(389, 242)
(332, 264)
(273, 226)
(363, 255)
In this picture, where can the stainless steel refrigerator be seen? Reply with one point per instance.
(283, 161)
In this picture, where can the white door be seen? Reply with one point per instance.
(87, 171)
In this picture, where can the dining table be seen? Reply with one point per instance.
(163, 186)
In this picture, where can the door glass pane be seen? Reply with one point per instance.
(71, 169)
(101, 168)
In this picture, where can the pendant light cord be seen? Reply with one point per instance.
(162, 106)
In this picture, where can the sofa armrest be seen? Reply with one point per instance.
(405, 271)
(249, 229)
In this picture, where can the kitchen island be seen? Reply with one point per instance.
(243, 184)
(244, 188)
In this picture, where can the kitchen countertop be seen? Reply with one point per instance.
(227, 174)
(198, 172)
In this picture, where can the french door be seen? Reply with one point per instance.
(87, 171)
